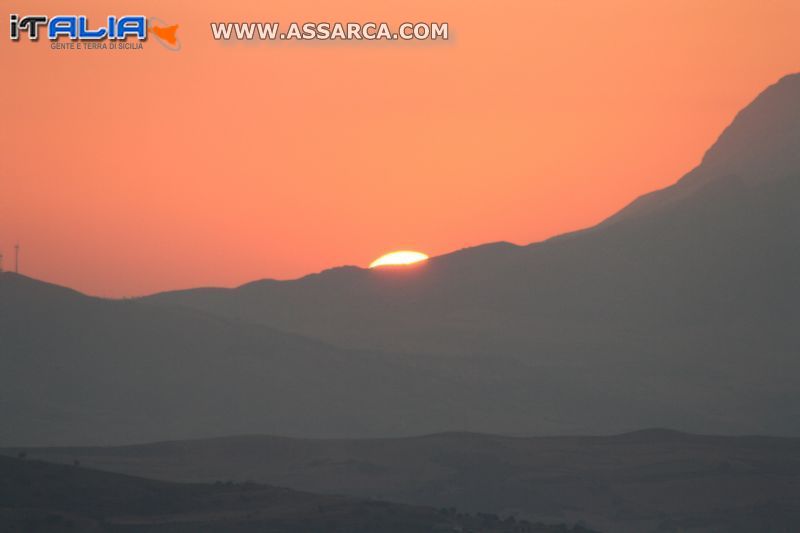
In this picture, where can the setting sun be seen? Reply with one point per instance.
(404, 257)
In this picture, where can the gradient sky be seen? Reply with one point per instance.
(124, 173)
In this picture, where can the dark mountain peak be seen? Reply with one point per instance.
(763, 141)
(760, 146)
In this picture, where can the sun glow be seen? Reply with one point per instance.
(403, 257)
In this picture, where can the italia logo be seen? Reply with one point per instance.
(78, 28)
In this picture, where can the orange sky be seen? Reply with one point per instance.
(125, 173)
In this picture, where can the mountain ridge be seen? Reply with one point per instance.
(711, 167)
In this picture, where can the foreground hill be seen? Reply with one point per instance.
(679, 311)
(653, 480)
(37, 496)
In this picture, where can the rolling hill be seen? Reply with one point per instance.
(653, 480)
(38, 496)
(81, 370)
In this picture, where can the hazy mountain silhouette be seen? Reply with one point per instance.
(682, 307)
(82, 370)
(78, 370)
(653, 480)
